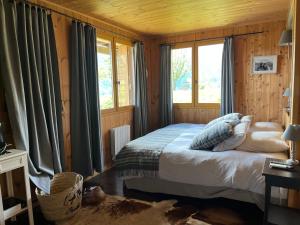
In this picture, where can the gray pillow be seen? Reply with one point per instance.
(211, 136)
(233, 118)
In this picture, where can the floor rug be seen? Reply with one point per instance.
(116, 210)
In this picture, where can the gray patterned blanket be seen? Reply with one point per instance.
(140, 157)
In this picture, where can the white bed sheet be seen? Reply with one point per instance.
(232, 169)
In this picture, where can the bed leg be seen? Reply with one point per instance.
(124, 187)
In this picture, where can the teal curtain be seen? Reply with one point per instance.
(227, 79)
(86, 138)
(141, 97)
(31, 81)
(166, 102)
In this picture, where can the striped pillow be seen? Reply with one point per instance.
(211, 136)
(239, 135)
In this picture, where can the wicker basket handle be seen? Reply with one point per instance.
(78, 178)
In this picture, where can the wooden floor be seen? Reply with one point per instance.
(113, 185)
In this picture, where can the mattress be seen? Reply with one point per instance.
(229, 169)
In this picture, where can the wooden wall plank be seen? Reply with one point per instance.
(153, 70)
(62, 29)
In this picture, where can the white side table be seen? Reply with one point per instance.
(13, 160)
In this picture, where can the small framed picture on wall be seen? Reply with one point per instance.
(264, 64)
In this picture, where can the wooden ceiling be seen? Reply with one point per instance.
(173, 16)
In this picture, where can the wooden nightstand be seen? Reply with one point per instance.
(290, 179)
(15, 159)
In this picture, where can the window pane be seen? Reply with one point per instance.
(104, 56)
(209, 73)
(182, 75)
(124, 57)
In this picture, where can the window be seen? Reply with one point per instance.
(124, 56)
(105, 73)
(196, 74)
(115, 69)
(182, 75)
(209, 73)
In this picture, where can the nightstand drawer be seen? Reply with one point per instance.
(11, 164)
(283, 182)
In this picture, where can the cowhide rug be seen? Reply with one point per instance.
(116, 210)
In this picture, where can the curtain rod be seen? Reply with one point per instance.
(215, 38)
(74, 18)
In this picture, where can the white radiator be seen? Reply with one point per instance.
(119, 137)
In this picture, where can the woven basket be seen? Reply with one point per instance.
(65, 196)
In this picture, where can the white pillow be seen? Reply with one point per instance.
(247, 118)
(266, 126)
(263, 141)
(238, 137)
(233, 117)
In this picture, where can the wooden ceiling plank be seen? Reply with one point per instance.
(166, 16)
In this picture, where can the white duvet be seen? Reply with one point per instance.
(232, 169)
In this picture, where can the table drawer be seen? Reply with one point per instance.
(11, 164)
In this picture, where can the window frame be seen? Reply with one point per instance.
(195, 76)
(186, 45)
(109, 38)
(197, 44)
(113, 39)
(124, 42)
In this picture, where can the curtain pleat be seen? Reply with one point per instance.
(166, 103)
(10, 65)
(227, 80)
(141, 97)
(31, 85)
(94, 106)
(85, 109)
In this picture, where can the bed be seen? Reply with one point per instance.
(161, 162)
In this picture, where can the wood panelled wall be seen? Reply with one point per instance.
(261, 95)
(258, 95)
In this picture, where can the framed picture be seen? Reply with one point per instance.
(264, 64)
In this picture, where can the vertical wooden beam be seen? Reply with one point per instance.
(295, 112)
(294, 196)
